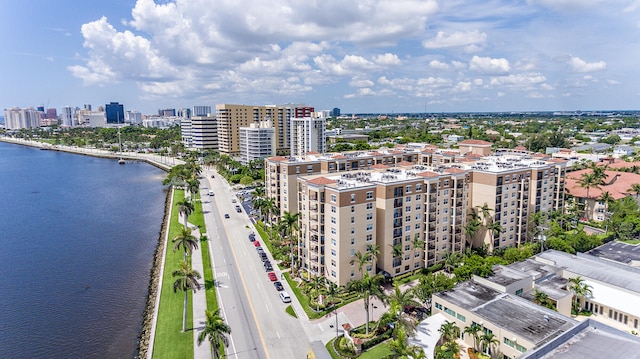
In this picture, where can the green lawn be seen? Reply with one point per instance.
(379, 351)
(169, 341)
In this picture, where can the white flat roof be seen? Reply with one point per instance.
(428, 334)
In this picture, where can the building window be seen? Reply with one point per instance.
(333, 252)
(369, 205)
(408, 189)
(353, 230)
(520, 348)
(438, 305)
(333, 241)
(509, 342)
(333, 231)
(333, 198)
(353, 252)
(353, 197)
(353, 219)
(462, 318)
(369, 237)
(418, 225)
(408, 199)
(370, 195)
(369, 227)
(333, 220)
(407, 209)
(333, 263)
(333, 209)
(333, 273)
(418, 197)
(450, 312)
(369, 216)
(519, 291)
(418, 187)
(353, 209)
(353, 241)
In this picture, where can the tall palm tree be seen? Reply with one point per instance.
(488, 340)
(291, 225)
(606, 198)
(588, 181)
(374, 252)
(185, 208)
(579, 289)
(333, 290)
(451, 261)
(473, 331)
(368, 287)
(216, 330)
(396, 252)
(317, 282)
(398, 301)
(186, 280)
(193, 186)
(360, 259)
(416, 244)
(186, 240)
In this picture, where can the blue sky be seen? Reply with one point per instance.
(358, 55)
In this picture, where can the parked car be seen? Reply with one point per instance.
(256, 243)
(210, 193)
(238, 209)
(278, 285)
(252, 237)
(268, 266)
(226, 215)
(272, 276)
(234, 200)
(284, 296)
(263, 256)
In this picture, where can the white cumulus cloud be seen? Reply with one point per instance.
(489, 66)
(443, 39)
(579, 65)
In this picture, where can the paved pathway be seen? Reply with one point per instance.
(199, 301)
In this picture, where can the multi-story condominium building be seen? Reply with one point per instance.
(90, 118)
(184, 113)
(199, 132)
(308, 135)
(446, 191)
(393, 209)
(202, 111)
(204, 132)
(507, 189)
(232, 117)
(16, 118)
(257, 141)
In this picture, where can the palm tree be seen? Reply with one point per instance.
(368, 286)
(400, 348)
(606, 198)
(291, 225)
(579, 289)
(635, 188)
(418, 244)
(360, 259)
(185, 240)
(332, 291)
(473, 330)
(193, 186)
(317, 281)
(540, 297)
(185, 208)
(216, 330)
(186, 280)
(374, 252)
(398, 301)
(451, 261)
(588, 180)
(396, 252)
(450, 331)
(488, 340)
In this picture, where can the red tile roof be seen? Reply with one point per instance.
(277, 159)
(379, 166)
(619, 188)
(475, 142)
(454, 170)
(404, 164)
(321, 180)
(339, 157)
(428, 174)
(313, 153)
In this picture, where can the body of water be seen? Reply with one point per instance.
(77, 237)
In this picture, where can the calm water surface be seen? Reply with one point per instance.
(77, 237)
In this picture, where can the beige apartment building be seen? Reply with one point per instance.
(423, 201)
(232, 117)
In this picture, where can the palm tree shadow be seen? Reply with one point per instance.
(208, 284)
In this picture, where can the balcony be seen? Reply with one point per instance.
(313, 207)
(397, 223)
(397, 232)
(314, 229)
(314, 217)
(432, 218)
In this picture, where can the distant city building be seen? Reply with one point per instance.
(133, 117)
(87, 107)
(16, 118)
(335, 112)
(202, 111)
(184, 113)
(257, 141)
(90, 118)
(114, 112)
(169, 112)
(159, 122)
(68, 114)
(52, 114)
(40, 108)
(307, 135)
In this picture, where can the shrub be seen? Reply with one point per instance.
(377, 340)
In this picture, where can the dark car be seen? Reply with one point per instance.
(268, 266)
(238, 209)
(278, 285)
(252, 237)
(226, 215)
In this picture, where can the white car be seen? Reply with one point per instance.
(285, 297)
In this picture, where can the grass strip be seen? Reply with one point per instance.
(291, 312)
(170, 341)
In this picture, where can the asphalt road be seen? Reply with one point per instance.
(249, 302)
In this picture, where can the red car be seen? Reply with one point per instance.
(272, 276)
(256, 243)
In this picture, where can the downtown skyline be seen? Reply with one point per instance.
(360, 56)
